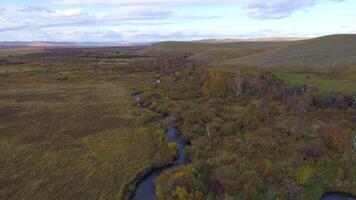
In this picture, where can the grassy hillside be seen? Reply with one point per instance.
(207, 53)
(329, 62)
(232, 50)
(324, 84)
(177, 48)
(318, 53)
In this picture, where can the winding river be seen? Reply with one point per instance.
(145, 189)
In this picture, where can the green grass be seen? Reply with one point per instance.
(20, 69)
(318, 54)
(177, 48)
(16, 51)
(209, 52)
(68, 75)
(335, 79)
(324, 84)
(110, 55)
(216, 54)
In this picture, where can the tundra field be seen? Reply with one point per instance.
(263, 120)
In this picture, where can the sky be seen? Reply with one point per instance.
(161, 20)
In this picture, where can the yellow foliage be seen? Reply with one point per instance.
(159, 134)
(173, 147)
(214, 85)
(198, 195)
(304, 174)
(181, 193)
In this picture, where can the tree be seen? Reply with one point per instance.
(238, 86)
(214, 85)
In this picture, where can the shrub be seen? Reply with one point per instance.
(314, 191)
(173, 147)
(63, 77)
(336, 138)
(181, 193)
(303, 175)
(228, 128)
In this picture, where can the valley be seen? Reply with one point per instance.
(259, 120)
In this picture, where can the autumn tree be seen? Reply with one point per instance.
(214, 85)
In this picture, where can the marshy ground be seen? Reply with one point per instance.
(69, 128)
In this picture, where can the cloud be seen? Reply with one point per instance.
(33, 8)
(276, 9)
(14, 18)
(127, 34)
(111, 20)
(150, 3)
(257, 9)
(68, 13)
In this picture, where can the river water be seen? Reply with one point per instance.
(337, 196)
(146, 189)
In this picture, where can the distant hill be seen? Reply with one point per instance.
(66, 44)
(271, 39)
(227, 51)
(227, 45)
(316, 53)
(323, 52)
(208, 52)
(177, 48)
(35, 44)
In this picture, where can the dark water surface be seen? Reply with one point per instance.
(145, 189)
(337, 196)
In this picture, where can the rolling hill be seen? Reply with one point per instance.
(318, 53)
(271, 39)
(328, 63)
(206, 52)
(227, 51)
(19, 44)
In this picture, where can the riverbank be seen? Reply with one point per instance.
(145, 185)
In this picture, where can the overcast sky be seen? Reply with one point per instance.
(157, 20)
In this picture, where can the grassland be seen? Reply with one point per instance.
(324, 84)
(332, 80)
(312, 54)
(15, 51)
(318, 53)
(205, 53)
(7, 69)
(71, 131)
(327, 63)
